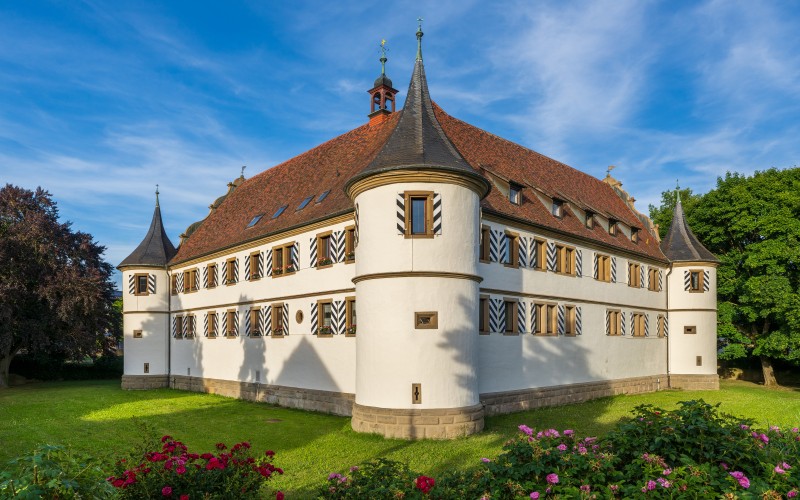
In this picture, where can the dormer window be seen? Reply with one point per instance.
(558, 208)
(589, 220)
(514, 193)
(612, 227)
(634, 235)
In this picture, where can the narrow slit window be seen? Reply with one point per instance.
(418, 215)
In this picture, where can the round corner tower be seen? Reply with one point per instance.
(691, 307)
(417, 284)
(145, 305)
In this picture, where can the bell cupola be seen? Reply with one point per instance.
(382, 95)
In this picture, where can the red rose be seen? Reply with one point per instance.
(424, 484)
(269, 453)
(166, 491)
(279, 495)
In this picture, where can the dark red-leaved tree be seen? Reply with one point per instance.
(56, 292)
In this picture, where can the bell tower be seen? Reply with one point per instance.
(382, 95)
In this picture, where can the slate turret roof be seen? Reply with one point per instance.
(680, 244)
(155, 250)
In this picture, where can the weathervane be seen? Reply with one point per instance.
(383, 56)
(156, 194)
(609, 169)
(419, 39)
(243, 167)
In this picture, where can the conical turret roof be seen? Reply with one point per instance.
(680, 244)
(155, 250)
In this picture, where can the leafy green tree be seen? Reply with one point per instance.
(662, 214)
(753, 225)
(56, 292)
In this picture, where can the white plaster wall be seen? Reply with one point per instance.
(684, 348)
(508, 362)
(151, 348)
(151, 302)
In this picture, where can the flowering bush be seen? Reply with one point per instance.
(691, 452)
(174, 472)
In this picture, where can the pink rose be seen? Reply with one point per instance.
(166, 491)
(552, 478)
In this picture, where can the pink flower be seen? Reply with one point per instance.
(744, 427)
(666, 472)
(534, 495)
(562, 447)
(485, 460)
(279, 495)
(786, 466)
(184, 497)
(354, 468)
(568, 432)
(792, 494)
(614, 487)
(425, 484)
(585, 488)
(166, 491)
(552, 478)
(180, 470)
(651, 485)
(779, 470)
(795, 430)
(739, 476)
(581, 450)
(723, 465)
(527, 430)
(764, 438)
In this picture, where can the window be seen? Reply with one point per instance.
(178, 327)
(565, 260)
(514, 193)
(282, 260)
(190, 280)
(254, 220)
(350, 316)
(189, 327)
(255, 265)
(662, 325)
(552, 319)
(614, 323)
(652, 280)
(323, 196)
(603, 263)
(324, 250)
(511, 258)
(212, 324)
(211, 272)
(589, 220)
(486, 234)
(304, 203)
(349, 244)
(173, 284)
(279, 212)
(255, 323)
(137, 334)
(277, 320)
(510, 326)
(558, 208)
(541, 254)
(638, 325)
(230, 272)
(634, 275)
(690, 330)
(419, 214)
(140, 284)
(428, 320)
(696, 281)
(569, 320)
(230, 324)
(546, 319)
(612, 227)
(483, 316)
(634, 235)
(324, 317)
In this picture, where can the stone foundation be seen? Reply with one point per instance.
(417, 424)
(497, 403)
(694, 382)
(140, 382)
(336, 403)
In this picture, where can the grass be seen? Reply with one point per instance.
(100, 418)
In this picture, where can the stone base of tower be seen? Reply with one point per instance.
(141, 382)
(694, 382)
(445, 423)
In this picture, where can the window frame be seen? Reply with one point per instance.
(136, 290)
(652, 279)
(603, 267)
(277, 319)
(540, 263)
(190, 326)
(590, 220)
(409, 196)
(634, 235)
(173, 284)
(515, 189)
(612, 227)
(700, 279)
(285, 252)
(634, 275)
(614, 322)
(557, 208)
(570, 325)
(484, 253)
(512, 239)
(661, 322)
(178, 327)
(483, 315)
(211, 273)
(255, 317)
(230, 276)
(514, 305)
(212, 324)
(551, 312)
(349, 244)
(321, 303)
(565, 260)
(350, 328)
(637, 330)
(433, 323)
(325, 238)
(230, 324)
(255, 261)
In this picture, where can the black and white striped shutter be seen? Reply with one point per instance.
(185, 326)
(687, 280)
(236, 270)
(205, 276)
(205, 324)
(622, 323)
(533, 261)
(180, 282)
(666, 326)
(578, 321)
(646, 325)
(613, 269)
(174, 327)
(355, 230)
(632, 326)
(224, 272)
(266, 320)
(551, 256)
(151, 283)
(338, 319)
(641, 276)
(595, 266)
(247, 275)
(194, 325)
(608, 322)
(248, 327)
(268, 261)
(706, 281)
(494, 245)
(504, 250)
(286, 319)
(660, 280)
(523, 251)
(296, 256)
(236, 323)
(314, 318)
(337, 239)
(495, 307)
(224, 323)
(522, 316)
(533, 317)
(312, 251)
(401, 213)
(579, 263)
(561, 320)
(131, 285)
(437, 213)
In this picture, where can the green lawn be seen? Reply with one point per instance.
(98, 417)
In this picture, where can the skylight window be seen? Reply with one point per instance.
(255, 220)
(279, 212)
(304, 203)
(323, 196)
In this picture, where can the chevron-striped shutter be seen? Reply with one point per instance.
(286, 319)
(185, 326)
(706, 281)
(224, 324)
(534, 255)
(496, 315)
(401, 213)
(579, 263)
(338, 317)
(437, 213)
(266, 320)
(194, 325)
(355, 230)
(236, 270)
(642, 274)
(205, 324)
(613, 269)
(314, 319)
(248, 327)
(337, 242)
(224, 272)
(646, 325)
(524, 243)
(236, 323)
(494, 245)
(180, 282)
(533, 317)
(205, 276)
(561, 320)
(504, 249)
(174, 327)
(608, 322)
(131, 285)
(151, 283)
(312, 250)
(666, 326)
(660, 280)
(260, 267)
(522, 316)
(633, 318)
(247, 275)
(551, 256)
(268, 261)
(622, 323)
(687, 280)
(578, 321)
(595, 267)
(296, 256)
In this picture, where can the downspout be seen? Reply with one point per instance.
(669, 378)
(169, 333)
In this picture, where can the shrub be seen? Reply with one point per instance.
(54, 472)
(174, 472)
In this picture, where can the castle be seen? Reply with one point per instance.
(418, 273)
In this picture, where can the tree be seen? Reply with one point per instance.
(56, 292)
(753, 225)
(662, 215)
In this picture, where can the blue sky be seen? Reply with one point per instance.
(99, 101)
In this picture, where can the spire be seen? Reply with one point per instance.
(382, 95)
(418, 141)
(419, 39)
(156, 249)
(680, 244)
